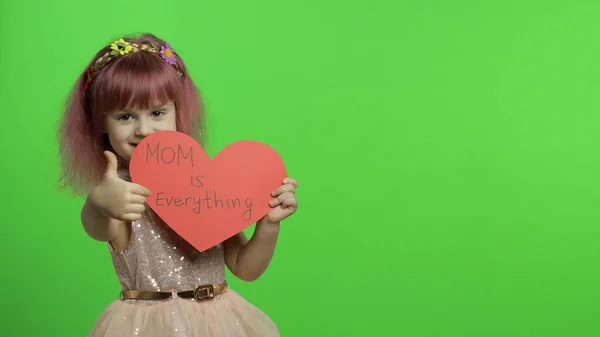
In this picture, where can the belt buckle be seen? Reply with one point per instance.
(203, 293)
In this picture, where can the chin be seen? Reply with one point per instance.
(125, 155)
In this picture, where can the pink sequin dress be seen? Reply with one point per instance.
(158, 259)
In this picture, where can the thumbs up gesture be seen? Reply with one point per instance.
(117, 198)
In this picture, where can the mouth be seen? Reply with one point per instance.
(133, 144)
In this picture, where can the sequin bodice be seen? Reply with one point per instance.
(156, 258)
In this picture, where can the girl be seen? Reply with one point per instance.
(132, 88)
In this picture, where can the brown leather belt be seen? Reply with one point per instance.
(201, 293)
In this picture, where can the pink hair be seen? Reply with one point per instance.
(136, 80)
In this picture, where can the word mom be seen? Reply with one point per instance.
(168, 155)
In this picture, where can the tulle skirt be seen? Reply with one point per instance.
(227, 315)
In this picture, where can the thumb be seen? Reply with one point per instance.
(111, 166)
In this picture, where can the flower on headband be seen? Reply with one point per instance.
(167, 53)
(120, 47)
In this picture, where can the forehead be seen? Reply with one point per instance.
(156, 105)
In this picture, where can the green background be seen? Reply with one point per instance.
(447, 154)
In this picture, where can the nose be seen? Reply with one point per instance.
(144, 128)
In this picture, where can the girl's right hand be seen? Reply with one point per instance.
(117, 198)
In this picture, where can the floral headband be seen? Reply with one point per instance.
(122, 47)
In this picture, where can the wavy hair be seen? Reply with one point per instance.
(135, 80)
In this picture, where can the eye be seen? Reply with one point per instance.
(125, 117)
(157, 113)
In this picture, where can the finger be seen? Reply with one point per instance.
(281, 198)
(285, 195)
(291, 202)
(282, 189)
(140, 190)
(135, 208)
(137, 199)
(131, 217)
(274, 202)
(111, 165)
(291, 181)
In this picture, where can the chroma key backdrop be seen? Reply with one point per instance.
(447, 155)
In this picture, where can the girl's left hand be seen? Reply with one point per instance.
(285, 203)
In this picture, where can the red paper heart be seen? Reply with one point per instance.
(206, 201)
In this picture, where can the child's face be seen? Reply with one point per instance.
(126, 128)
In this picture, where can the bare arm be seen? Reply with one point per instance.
(97, 224)
(248, 260)
(111, 204)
